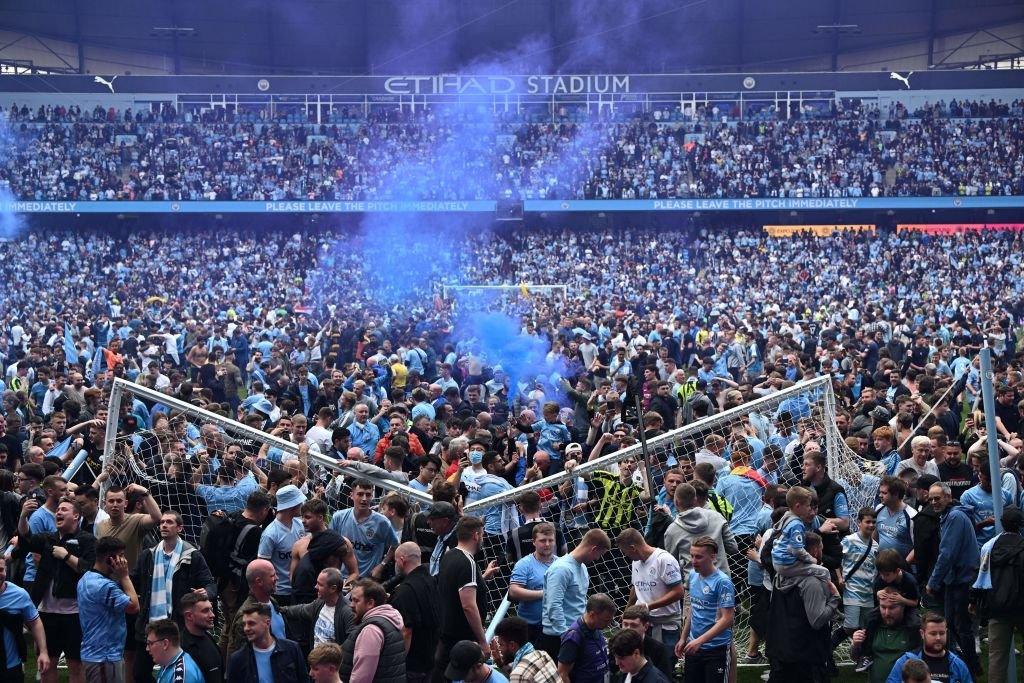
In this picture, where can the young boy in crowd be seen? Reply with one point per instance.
(858, 571)
(893, 584)
(893, 580)
(789, 555)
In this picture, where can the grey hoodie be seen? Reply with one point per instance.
(691, 524)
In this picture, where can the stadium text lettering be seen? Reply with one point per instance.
(741, 204)
(361, 206)
(39, 207)
(453, 84)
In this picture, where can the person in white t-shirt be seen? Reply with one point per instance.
(656, 582)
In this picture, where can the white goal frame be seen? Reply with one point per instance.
(698, 427)
(531, 289)
(123, 386)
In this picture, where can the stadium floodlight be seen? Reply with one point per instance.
(838, 29)
(173, 32)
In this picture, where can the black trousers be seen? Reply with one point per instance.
(707, 666)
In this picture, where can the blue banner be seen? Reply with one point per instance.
(298, 206)
(529, 206)
(773, 204)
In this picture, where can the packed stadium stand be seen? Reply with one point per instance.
(954, 148)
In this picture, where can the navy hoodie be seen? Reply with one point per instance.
(958, 550)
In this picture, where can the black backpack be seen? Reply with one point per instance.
(765, 555)
(660, 522)
(1006, 599)
(220, 541)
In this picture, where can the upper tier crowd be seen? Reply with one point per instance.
(955, 148)
(293, 335)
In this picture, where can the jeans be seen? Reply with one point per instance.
(667, 637)
(961, 627)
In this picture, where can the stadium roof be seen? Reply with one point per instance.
(539, 36)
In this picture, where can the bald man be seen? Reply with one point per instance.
(416, 600)
(261, 576)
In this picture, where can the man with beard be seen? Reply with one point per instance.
(942, 664)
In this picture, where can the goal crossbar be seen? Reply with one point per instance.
(122, 386)
(530, 289)
(700, 426)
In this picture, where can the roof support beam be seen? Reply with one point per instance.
(78, 37)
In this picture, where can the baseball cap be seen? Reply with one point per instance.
(573, 448)
(881, 414)
(442, 509)
(464, 656)
(925, 481)
(289, 496)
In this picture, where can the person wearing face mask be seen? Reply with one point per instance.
(471, 467)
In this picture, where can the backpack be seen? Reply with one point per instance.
(765, 555)
(1003, 471)
(660, 522)
(1006, 599)
(220, 533)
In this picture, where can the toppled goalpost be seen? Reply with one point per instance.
(612, 573)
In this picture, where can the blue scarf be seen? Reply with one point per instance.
(523, 651)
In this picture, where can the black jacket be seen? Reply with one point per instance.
(926, 542)
(321, 546)
(300, 620)
(206, 653)
(236, 634)
(1005, 599)
(81, 544)
(190, 572)
(286, 662)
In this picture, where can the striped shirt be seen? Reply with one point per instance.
(620, 503)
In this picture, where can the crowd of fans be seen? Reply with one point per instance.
(287, 562)
(63, 153)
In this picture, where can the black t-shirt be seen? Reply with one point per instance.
(520, 541)
(203, 649)
(938, 667)
(957, 475)
(906, 586)
(457, 571)
(416, 600)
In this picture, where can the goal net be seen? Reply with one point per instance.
(810, 407)
(521, 298)
(197, 461)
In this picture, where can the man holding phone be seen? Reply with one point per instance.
(105, 596)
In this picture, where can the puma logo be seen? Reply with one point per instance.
(110, 83)
(903, 79)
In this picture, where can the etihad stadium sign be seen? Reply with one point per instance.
(457, 84)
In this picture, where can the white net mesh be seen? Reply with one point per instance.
(191, 458)
(573, 502)
(196, 461)
(512, 299)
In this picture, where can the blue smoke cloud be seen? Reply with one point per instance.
(11, 224)
(499, 341)
(406, 255)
